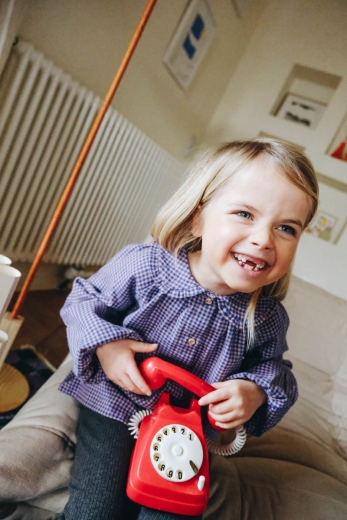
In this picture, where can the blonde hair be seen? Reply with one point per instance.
(172, 228)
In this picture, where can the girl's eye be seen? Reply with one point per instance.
(288, 229)
(244, 214)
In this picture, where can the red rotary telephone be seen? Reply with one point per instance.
(169, 467)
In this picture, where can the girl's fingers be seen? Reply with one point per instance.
(229, 425)
(220, 384)
(138, 346)
(137, 379)
(214, 397)
(228, 421)
(225, 417)
(118, 363)
(223, 406)
(128, 384)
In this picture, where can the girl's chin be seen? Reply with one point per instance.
(243, 286)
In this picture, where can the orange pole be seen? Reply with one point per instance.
(82, 157)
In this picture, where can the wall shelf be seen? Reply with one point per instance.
(305, 95)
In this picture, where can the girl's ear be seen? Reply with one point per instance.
(197, 222)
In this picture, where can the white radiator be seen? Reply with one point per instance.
(45, 117)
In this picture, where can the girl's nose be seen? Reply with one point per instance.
(262, 237)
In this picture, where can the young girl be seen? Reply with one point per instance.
(204, 295)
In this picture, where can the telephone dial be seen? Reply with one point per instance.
(169, 468)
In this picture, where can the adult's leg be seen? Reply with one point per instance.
(99, 474)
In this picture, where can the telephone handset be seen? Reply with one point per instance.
(169, 467)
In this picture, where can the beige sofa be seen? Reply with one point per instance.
(296, 471)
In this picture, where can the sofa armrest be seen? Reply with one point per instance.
(37, 447)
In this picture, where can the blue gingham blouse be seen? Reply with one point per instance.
(147, 294)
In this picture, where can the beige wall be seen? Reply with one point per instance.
(87, 38)
(306, 32)
(11, 15)
(311, 33)
(229, 98)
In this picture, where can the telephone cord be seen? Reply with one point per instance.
(228, 449)
(135, 421)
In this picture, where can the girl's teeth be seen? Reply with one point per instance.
(242, 261)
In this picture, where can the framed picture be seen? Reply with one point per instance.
(301, 110)
(190, 42)
(323, 225)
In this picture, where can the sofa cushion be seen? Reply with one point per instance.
(294, 471)
(259, 488)
(280, 475)
(37, 448)
(317, 339)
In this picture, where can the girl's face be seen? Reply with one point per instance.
(250, 231)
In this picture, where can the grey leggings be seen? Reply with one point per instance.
(100, 471)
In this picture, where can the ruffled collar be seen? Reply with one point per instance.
(177, 281)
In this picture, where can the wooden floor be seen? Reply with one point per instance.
(43, 326)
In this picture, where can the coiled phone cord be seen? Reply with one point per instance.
(232, 447)
(213, 447)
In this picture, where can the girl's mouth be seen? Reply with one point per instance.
(248, 264)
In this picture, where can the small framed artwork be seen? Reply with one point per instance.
(323, 226)
(189, 44)
(301, 110)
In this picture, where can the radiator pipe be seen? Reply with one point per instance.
(82, 157)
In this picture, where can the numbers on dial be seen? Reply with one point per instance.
(179, 475)
(176, 453)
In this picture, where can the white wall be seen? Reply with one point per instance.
(311, 33)
(87, 38)
(230, 97)
(11, 14)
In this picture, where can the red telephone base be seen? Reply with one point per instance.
(145, 484)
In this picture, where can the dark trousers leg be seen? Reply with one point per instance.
(100, 472)
(99, 475)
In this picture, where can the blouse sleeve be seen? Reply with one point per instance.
(95, 309)
(264, 364)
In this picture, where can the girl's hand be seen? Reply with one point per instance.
(117, 359)
(234, 402)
